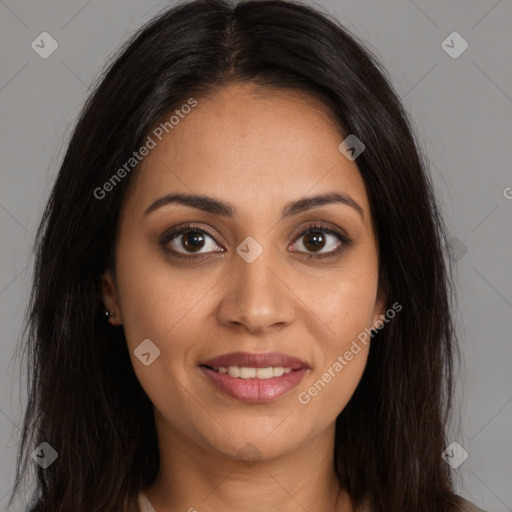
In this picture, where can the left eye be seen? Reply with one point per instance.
(316, 240)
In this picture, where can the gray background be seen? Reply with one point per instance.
(461, 108)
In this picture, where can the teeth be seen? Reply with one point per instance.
(278, 371)
(265, 373)
(234, 371)
(247, 373)
(251, 373)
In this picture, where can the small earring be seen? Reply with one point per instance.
(109, 314)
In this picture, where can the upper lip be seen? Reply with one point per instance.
(256, 360)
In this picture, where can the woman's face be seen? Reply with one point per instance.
(253, 283)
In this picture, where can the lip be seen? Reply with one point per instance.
(254, 390)
(256, 360)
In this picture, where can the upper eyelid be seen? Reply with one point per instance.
(320, 227)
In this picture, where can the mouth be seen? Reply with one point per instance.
(254, 378)
(243, 372)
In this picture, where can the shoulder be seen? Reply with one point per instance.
(467, 506)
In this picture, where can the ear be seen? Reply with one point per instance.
(110, 297)
(380, 308)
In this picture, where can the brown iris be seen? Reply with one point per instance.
(193, 240)
(316, 241)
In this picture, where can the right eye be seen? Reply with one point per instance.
(189, 239)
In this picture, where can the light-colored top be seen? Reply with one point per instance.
(145, 505)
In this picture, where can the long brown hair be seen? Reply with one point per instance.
(83, 396)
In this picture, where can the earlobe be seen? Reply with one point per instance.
(109, 296)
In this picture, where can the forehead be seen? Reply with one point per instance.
(254, 145)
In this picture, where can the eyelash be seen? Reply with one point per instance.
(316, 227)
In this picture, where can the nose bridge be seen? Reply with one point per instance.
(258, 297)
(256, 280)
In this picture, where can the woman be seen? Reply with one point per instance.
(240, 297)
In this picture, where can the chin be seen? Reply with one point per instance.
(258, 441)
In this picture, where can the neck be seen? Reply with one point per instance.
(193, 477)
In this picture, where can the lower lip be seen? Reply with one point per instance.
(255, 390)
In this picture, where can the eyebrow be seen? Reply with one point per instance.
(216, 207)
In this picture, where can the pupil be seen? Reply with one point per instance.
(318, 241)
(193, 240)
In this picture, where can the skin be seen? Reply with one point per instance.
(257, 149)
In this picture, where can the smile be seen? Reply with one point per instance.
(244, 372)
(254, 377)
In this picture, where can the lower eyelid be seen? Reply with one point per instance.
(334, 253)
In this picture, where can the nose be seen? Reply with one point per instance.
(257, 297)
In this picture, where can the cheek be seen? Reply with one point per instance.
(344, 303)
(342, 350)
(168, 306)
(157, 298)
(347, 306)
(329, 391)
